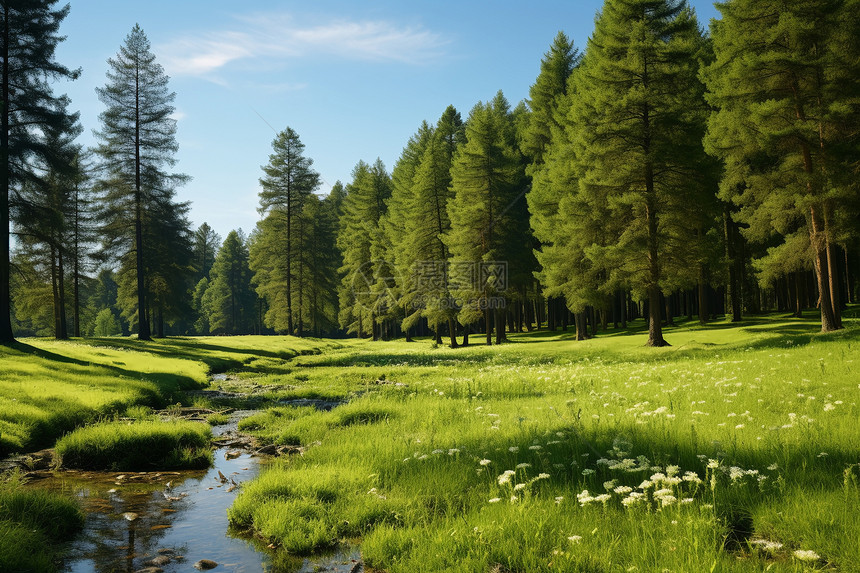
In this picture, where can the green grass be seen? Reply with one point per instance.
(761, 420)
(48, 388)
(138, 446)
(32, 524)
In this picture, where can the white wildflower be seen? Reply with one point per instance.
(806, 555)
(485, 462)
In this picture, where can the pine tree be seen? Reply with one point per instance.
(137, 147)
(397, 224)
(288, 182)
(229, 301)
(545, 96)
(320, 261)
(28, 41)
(206, 245)
(639, 107)
(785, 85)
(363, 207)
(487, 180)
(430, 223)
(46, 209)
(81, 231)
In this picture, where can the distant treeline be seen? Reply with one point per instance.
(663, 172)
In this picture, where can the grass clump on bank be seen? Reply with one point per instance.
(138, 446)
(32, 524)
(734, 450)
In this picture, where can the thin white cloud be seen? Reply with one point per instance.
(279, 37)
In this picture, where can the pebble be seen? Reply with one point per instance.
(158, 561)
(205, 564)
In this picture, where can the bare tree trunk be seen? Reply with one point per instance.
(452, 331)
(6, 335)
(822, 272)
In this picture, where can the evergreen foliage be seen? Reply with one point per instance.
(785, 85)
(29, 35)
(228, 302)
(137, 147)
(362, 294)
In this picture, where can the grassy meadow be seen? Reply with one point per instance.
(48, 387)
(735, 449)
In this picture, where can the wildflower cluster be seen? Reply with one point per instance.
(663, 488)
(516, 482)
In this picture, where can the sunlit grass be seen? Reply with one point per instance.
(138, 446)
(33, 524)
(50, 387)
(704, 456)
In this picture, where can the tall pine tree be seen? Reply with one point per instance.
(288, 182)
(638, 106)
(137, 146)
(29, 35)
(485, 239)
(361, 274)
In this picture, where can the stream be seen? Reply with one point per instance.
(169, 521)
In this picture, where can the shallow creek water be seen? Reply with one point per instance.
(136, 520)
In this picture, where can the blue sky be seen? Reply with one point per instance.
(353, 78)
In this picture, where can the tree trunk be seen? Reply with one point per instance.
(833, 266)
(143, 331)
(819, 245)
(452, 330)
(798, 300)
(500, 326)
(703, 297)
(655, 330)
(63, 333)
(489, 326)
(670, 314)
(579, 321)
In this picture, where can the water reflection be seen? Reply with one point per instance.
(171, 520)
(135, 520)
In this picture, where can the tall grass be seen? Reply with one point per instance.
(138, 446)
(32, 525)
(725, 452)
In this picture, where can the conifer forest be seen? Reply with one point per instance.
(465, 360)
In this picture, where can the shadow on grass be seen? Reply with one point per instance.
(188, 348)
(168, 381)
